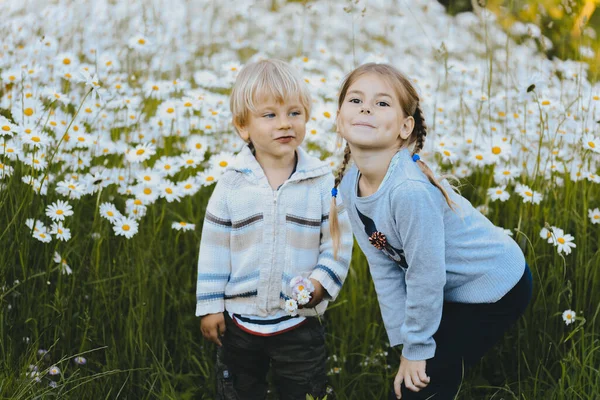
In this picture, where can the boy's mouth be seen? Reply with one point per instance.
(284, 139)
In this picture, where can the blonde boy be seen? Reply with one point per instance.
(267, 221)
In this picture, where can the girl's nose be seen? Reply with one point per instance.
(365, 111)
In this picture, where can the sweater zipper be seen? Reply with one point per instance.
(273, 256)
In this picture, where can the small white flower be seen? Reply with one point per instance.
(563, 241)
(569, 316)
(60, 231)
(594, 215)
(183, 226)
(54, 370)
(291, 307)
(303, 297)
(126, 227)
(80, 360)
(110, 212)
(58, 210)
(498, 193)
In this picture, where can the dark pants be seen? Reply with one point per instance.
(465, 334)
(297, 359)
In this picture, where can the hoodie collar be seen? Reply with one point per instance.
(308, 166)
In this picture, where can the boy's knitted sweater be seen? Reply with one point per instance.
(255, 240)
(421, 252)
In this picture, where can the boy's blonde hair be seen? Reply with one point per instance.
(263, 79)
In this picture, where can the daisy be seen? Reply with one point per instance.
(528, 195)
(303, 297)
(167, 110)
(65, 269)
(35, 225)
(169, 191)
(11, 149)
(222, 160)
(167, 166)
(79, 360)
(563, 241)
(569, 316)
(42, 236)
(498, 193)
(59, 230)
(58, 210)
(291, 307)
(140, 43)
(197, 144)
(546, 234)
(5, 170)
(6, 127)
(594, 215)
(36, 139)
(110, 212)
(147, 194)
(448, 155)
(54, 370)
(190, 160)
(591, 142)
(478, 158)
(148, 177)
(183, 226)
(135, 208)
(141, 152)
(209, 177)
(126, 227)
(188, 187)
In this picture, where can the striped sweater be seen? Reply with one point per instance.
(255, 240)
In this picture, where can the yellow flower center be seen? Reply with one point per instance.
(154, 87)
(28, 112)
(126, 227)
(326, 114)
(110, 213)
(42, 236)
(592, 145)
(72, 187)
(210, 178)
(479, 157)
(498, 191)
(141, 41)
(59, 212)
(496, 150)
(208, 127)
(169, 190)
(305, 59)
(561, 240)
(137, 202)
(167, 166)
(188, 104)
(596, 216)
(170, 110)
(190, 161)
(6, 128)
(501, 114)
(223, 164)
(147, 191)
(528, 194)
(446, 153)
(546, 102)
(188, 186)
(66, 61)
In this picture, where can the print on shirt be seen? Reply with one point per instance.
(379, 241)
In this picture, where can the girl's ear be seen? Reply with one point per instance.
(407, 127)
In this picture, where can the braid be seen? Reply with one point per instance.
(334, 228)
(420, 132)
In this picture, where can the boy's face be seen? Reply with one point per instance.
(275, 129)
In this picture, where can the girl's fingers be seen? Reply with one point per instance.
(409, 383)
(423, 377)
(417, 381)
(397, 383)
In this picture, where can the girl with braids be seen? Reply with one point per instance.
(449, 282)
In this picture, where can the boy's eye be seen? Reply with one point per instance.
(383, 104)
(355, 101)
(295, 113)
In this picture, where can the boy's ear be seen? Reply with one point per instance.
(242, 130)
(407, 127)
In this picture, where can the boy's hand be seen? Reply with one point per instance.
(315, 297)
(212, 326)
(412, 373)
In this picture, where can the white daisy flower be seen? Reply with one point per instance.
(80, 360)
(70, 188)
(222, 160)
(147, 194)
(54, 370)
(448, 155)
(135, 208)
(303, 297)
(591, 142)
(42, 236)
(528, 195)
(594, 215)
(190, 160)
(569, 316)
(169, 191)
(291, 307)
(498, 193)
(65, 269)
(126, 227)
(563, 241)
(58, 210)
(141, 152)
(110, 212)
(546, 234)
(183, 226)
(6, 127)
(189, 187)
(59, 230)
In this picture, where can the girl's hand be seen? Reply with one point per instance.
(412, 373)
(315, 297)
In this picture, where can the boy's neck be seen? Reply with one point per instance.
(276, 169)
(373, 165)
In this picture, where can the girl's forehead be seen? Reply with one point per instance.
(373, 83)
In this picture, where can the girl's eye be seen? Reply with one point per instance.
(269, 115)
(355, 101)
(383, 104)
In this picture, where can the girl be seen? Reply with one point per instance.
(449, 282)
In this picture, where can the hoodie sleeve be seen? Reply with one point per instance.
(214, 261)
(330, 272)
(419, 219)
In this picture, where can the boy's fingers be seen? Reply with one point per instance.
(222, 327)
(214, 337)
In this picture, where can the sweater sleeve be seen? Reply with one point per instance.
(214, 261)
(419, 219)
(330, 272)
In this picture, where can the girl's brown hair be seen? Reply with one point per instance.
(410, 103)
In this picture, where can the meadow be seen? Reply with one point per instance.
(115, 125)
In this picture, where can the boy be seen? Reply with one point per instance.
(267, 222)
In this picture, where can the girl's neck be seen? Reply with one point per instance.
(373, 166)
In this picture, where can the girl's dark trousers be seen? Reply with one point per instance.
(465, 334)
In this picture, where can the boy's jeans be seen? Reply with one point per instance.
(297, 359)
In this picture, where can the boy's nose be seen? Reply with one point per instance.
(284, 123)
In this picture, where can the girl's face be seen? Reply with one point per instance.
(371, 116)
